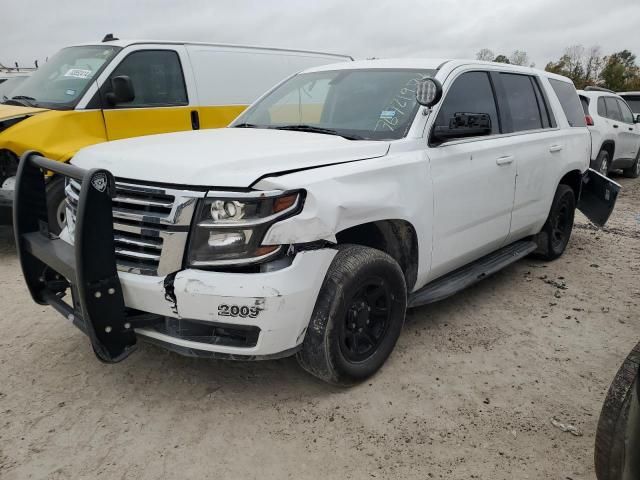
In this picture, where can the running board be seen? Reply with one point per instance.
(466, 276)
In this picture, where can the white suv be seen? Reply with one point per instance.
(615, 135)
(344, 196)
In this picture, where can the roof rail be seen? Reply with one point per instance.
(591, 88)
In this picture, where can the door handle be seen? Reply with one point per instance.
(506, 160)
(555, 148)
(195, 120)
(615, 126)
(630, 129)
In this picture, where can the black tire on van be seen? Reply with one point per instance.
(56, 213)
(357, 317)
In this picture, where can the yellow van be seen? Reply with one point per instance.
(116, 89)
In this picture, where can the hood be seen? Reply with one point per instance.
(226, 157)
(8, 112)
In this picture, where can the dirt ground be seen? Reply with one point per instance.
(469, 392)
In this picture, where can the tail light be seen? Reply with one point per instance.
(589, 120)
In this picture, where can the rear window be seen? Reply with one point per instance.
(522, 101)
(570, 102)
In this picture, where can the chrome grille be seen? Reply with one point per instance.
(150, 225)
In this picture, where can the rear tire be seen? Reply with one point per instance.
(603, 163)
(634, 170)
(613, 426)
(56, 211)
(357, 317)
(556, 232)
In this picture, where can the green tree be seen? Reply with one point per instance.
(620, 71)
(501, 59)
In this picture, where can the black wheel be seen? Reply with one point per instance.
(556, 232)
(618, 433)
(634, 170)
(603, 162)
(56, 205)
(357, 317)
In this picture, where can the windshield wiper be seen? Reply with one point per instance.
(22, 100)
(312, 129)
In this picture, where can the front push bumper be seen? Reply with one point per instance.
(193, 312)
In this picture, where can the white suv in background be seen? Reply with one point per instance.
(633, 99)
(615, 135)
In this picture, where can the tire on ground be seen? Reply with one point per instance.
(603, 162)
(554, 237)
(325, 351)
(55, 201)
(634, 170)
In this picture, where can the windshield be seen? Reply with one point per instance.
(61, 82)
(373, 104)
(9, 85)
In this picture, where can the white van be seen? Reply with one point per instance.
(98, 92)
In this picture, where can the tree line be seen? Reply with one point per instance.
(585, 66)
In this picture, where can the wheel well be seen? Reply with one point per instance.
(397, 238)
(609, 147)
(574, 180)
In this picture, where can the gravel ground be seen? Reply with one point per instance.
(469, 392)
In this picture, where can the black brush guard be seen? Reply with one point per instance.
(52, 267)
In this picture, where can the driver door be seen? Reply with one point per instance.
(161, 102)
(473, 180)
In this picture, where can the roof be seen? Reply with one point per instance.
(430, 64)
(127, 43)
(597, 93)
(622, 94)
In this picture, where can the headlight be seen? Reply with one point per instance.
(229, 227)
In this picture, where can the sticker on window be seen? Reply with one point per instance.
(70, 92)
(78, 73)
(387, 114)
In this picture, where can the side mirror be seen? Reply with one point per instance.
(121, 90)
(464, 125)
(428, 92)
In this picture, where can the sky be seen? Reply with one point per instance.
(36, 29)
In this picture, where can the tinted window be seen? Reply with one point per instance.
(602, 109)
(521, 102)
(547, 120)
(156, 76)
(471, 92)
(613, 111)
(585, 104)
(571, 106)
(634, 103)
(627, 116)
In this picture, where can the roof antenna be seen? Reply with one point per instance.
(109, 38)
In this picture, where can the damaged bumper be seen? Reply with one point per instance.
(243, 315)
(193, 312)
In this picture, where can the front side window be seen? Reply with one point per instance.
(372, 104)
(627, 116)
(471, 92)
(634, 103)
(521, 102)
(613, 110)
(568, 97)
(62, 81)
(156, 76)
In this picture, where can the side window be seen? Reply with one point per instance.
(602, 109)
(585, 104)
(627, 116)
(613, 111)
(521, 102)
(547, 120)
(569, 101)
(471, 92)
(156, 76)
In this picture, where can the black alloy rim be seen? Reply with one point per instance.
(366, 320)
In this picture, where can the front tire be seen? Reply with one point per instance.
(556, 232)
(56, 211)
(357, 317)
